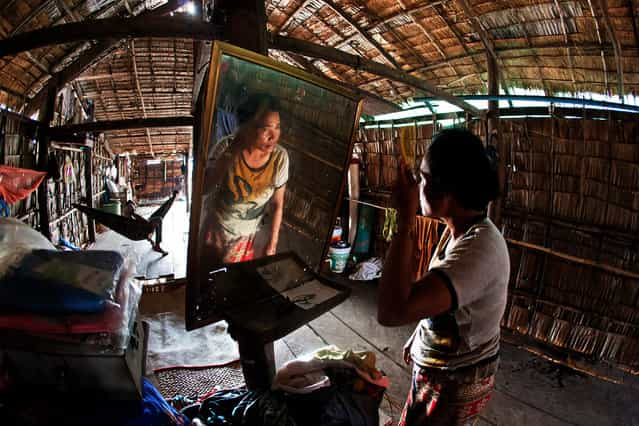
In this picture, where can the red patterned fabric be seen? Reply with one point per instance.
(241, 250)
(16, 184)
(440, 401)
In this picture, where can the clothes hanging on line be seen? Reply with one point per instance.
(427, 236)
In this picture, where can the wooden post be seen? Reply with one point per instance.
(3, 141)
(88, 181)
(186, 182)
(493, 137)
(246, 28)
(45, 117)
(245, 24)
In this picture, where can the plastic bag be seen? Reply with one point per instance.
(368, 270)
(16, 240)
(105, 332)
(16, 184)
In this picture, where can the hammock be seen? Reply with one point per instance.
(133, 229)
(16, 184)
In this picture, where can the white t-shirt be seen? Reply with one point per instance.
(476, 267)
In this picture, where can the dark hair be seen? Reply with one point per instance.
(460, 165)
(254, 105)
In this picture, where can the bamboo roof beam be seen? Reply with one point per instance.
(603, 56)
(291, 17)
(30, 17)
(139, 91)
(362, 32)
(64, 9)
(442, 15)
(359, 63)
(392, 17)
(616, 48)
(568, 55)
(311, 67)
(11, 92)
(536, 58)
(117, 98)
(633, 16)
(93, 55)
(485, 39)
(429, 36)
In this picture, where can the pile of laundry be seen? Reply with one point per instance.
(329, 387)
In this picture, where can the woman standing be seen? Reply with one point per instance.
(251, 171)
(459, 302)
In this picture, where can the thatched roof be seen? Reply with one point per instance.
(558, 46)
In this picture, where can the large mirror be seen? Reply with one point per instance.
(271, 162)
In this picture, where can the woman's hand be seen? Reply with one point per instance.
(271, 248)
(407, 358)
(406, 194)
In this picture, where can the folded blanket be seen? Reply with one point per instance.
(57, 282)
(115, 319)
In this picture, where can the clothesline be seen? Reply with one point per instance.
(380, 207)
(368, 204)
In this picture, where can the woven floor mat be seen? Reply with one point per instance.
(196, 381)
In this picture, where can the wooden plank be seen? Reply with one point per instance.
(575, 259)
(109, 28)
(359, 63)
(132, 123)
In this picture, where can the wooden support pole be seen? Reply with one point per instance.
(88, 181)
(3, 141)
(245, 24)
(45, 118)
(186, 182)
(493, 136)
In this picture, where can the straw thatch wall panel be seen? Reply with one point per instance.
(588, 169)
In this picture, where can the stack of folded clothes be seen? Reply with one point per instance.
(75, 297)
(67, 318)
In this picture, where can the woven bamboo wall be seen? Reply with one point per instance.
(65, 221)
(156, 181)
(18, 149)
(573, 188)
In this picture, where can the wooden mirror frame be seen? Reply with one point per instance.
(219, 50)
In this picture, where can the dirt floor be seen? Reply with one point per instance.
(529, 391)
